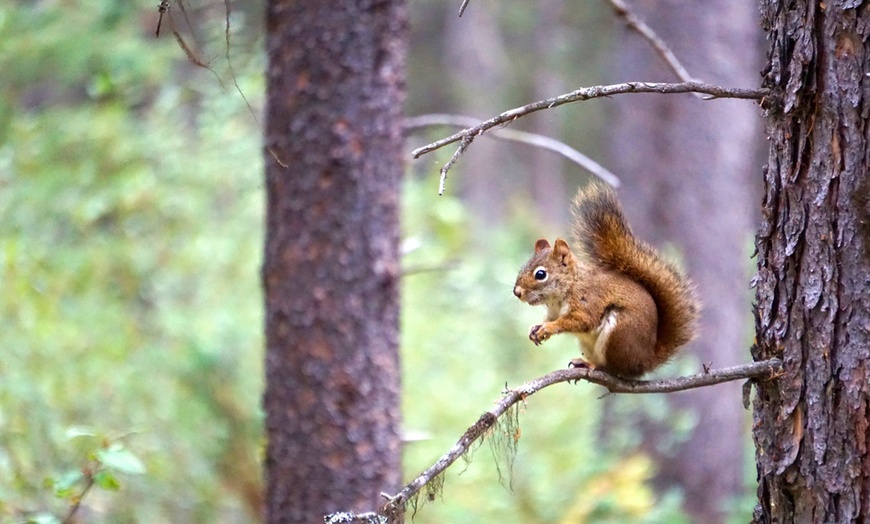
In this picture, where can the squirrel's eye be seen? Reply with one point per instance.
(540, 274)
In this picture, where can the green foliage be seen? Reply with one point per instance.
(130, 245)
(103, 457)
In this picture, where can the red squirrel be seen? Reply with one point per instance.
(630, 309)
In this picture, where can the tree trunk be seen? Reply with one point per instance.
(811, 423)
(331, 271)
(687, 166)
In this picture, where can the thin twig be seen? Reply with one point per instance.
(396, 503)
(230, 64)
(187, 20)
(587, 93)
(638, 25)
(462, 7)
(191, 55)
(513, 135)
(77, 503)
(463, 145)
(227, 10)
(634, 22)
(162, 9)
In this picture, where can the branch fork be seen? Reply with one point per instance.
(584, 93)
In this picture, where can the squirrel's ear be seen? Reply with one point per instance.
(562, 252)
(541, 245)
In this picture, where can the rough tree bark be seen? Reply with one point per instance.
(813, 284)
(331, 271)
(687, 165)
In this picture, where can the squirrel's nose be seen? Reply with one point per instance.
(518, 291)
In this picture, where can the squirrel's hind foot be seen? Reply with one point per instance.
(580, 363)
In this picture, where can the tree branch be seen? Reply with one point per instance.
(634, 22)
(466, 136)
(396, 504)
(587, 93)
(638, 25)
(532, 139)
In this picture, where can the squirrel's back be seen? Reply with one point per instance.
(604, 238)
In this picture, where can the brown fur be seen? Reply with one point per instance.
(630, 308)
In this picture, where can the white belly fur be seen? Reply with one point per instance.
(592, 343)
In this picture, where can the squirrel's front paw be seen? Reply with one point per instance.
(538, 334)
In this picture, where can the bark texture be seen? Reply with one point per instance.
(331, 272)
(688, 167)
(813, 284)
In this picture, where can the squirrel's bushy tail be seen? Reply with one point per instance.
(604, 238)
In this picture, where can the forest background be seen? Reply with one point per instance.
(131, 234)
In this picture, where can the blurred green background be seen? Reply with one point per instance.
(131, 232)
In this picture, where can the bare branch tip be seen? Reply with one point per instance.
(462, 7)
(442, 183)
